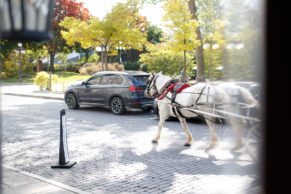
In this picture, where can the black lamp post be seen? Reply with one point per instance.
(26, 19)
(20, 62)
(120, 49)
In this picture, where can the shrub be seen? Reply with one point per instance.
(93, 58)
(144, 67)
(42, 80)
(132, 66)
(115, 67)
(89, 68)
(3, 75)
(166, 61)
(11, 65)
(73, 67)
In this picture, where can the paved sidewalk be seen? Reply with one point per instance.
(29, 90)
(19, 182)
(114, 153)
(15, 181)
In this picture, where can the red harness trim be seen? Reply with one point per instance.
(171, 89)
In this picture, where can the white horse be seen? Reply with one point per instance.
(202, 99)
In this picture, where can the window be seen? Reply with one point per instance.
(117, 79)
(107, 80)
(94, 81)
(139, 80)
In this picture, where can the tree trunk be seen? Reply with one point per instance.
(52, 61)
(183, 73)
(225, 74)
(102, 59)
(199, 49)
(105, 58)
(86, 55)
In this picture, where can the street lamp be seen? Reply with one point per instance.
(212, 46)
(26, 19)
(120, 49)
(20, 63)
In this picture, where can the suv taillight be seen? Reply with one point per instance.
(132, 88)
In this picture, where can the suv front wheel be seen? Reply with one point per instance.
(117, 106)
(71, 101)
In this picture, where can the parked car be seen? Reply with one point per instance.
(116, 90)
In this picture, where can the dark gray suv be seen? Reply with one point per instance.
(114, 89)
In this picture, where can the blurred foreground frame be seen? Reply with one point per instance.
(26, 19)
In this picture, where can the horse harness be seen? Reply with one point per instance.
(176, 88)
(152, 85)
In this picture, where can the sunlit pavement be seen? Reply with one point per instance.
(114, 154)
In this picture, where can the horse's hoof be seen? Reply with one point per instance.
(210, 147)
(155, 141)
(187, 144)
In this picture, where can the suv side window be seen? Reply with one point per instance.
(106, 80)
(117, 79)
(94, 81)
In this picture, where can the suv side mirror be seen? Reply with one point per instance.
(83, 82)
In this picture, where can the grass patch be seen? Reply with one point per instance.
(64, 76)
(15, 80)
(71, 76)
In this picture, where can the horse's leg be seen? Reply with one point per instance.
(212, 127)
(186, 129)
(213, 133)
(160, 126)
(237, 125)
(163, 116)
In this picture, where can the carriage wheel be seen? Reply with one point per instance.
(253, 142)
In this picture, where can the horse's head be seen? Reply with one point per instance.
(151, 90)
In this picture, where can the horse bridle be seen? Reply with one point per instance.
(152, 85)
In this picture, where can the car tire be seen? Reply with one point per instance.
(71, 101)
(117, 106)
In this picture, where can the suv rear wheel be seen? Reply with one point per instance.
(117, 106)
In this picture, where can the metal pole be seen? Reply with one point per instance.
(50, 75)
(50, 81)
(20, 66)
(210, 61)
(120, 60)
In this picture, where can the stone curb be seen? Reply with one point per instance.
(69, 188)
(35, 96)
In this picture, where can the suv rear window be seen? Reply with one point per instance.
(139, 79)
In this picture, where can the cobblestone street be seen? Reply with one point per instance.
(114, 154)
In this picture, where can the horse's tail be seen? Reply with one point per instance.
(249, 98)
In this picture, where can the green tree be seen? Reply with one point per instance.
(154, 34)
(243, 36)
(62, 9)
(183, 29)
(111, 32)
(199, 52)
(160, 58)
(210, 13)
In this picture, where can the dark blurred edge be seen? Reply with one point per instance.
(276, 93)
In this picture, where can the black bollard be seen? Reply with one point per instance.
(63, 153)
